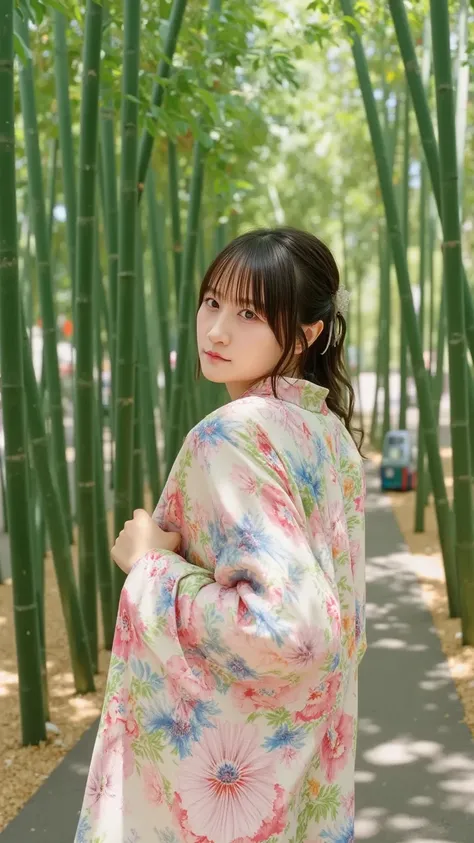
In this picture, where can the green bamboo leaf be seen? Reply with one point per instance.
(60, 6)
(210, 101)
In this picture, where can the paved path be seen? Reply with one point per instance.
(415, 772)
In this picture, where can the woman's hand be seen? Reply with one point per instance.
(138, 537)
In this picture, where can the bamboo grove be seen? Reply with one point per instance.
(136, 139)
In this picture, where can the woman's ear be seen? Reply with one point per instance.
(311, 333)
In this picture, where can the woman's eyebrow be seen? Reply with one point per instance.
(242, 301)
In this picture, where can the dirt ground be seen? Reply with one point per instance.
(22, 770)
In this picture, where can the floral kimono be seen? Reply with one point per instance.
(231, 706)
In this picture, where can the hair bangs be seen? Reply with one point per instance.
(234, 278)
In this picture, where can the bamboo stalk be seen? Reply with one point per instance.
(25, 611)
(452, 261)
(138, 461)
(38, 577)
(421, 474)
(462, 96)
(431, 244)
(427, 135)
(101, 544)
(110, 207)
(61, 551)
(160, 275)
(125, 370)
(428, 420)
(38, 213)
(173, 187)
(391, 134)
(61, 69)
(422, 479)
(174, 432)
(147, 414)
(374, 423)
(405, 232)
(85, 271)
(53, 161)
(164, 69)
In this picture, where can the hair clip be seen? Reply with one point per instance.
(341, 305)
(342, 300)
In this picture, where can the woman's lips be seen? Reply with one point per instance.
(212, 355)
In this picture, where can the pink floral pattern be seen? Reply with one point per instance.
(129, 629)
(231, 704)
(227, 786)
(336, 744)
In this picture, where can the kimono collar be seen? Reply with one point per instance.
(305, 394)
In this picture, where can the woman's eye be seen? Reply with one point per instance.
(249, 315)
(212, 303)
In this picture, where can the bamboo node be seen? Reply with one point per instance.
(89, 485)
(125, 402)
(16, 457)
(450, 244)
(465, 545)
(27, 608)
(413, 66)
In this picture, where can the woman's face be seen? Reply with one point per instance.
(236, 346)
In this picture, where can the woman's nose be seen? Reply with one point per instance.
(219, 331)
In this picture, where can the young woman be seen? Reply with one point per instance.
(231, 707)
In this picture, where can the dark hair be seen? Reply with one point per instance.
(291, 278)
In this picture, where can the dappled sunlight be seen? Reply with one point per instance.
(367, 726)
(368, 823)
(401, 751)
(402, 822)
(389, 643)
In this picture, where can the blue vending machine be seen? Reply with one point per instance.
(398, 470)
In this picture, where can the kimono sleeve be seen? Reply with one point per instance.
(264, 605)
